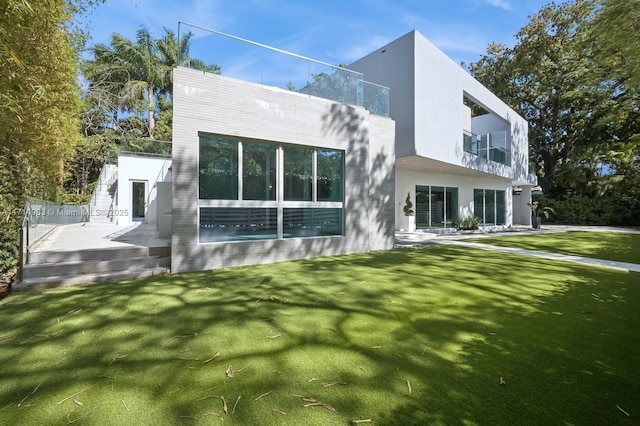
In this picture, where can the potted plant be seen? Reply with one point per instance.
(410, 219)
(537, 212)
(470, 223)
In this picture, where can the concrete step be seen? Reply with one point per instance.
(416, 236)
(84, 267)
(70, 280)
(111, 253)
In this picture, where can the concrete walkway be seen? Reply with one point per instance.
(84, 236)
(416, 239)
(630, 267)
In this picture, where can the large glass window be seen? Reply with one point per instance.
(423, 210)
(478, 203)
(501, 208)
(252, 189)
(218, 168)
(490, 206)
(298, 173)
(330, 175)
(258, 171)
(312, 222)
(233, 224)
(451, 206)
(436, 206)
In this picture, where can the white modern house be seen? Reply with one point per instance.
(460, 150)
(264, 174)
(261, 174)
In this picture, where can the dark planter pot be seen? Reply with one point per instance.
(536, 222)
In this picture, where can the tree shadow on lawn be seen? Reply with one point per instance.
(418, 336)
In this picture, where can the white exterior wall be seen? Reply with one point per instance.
(407, 180)
(139, 169)
(466, 119)
(521, 207)
(395, 68)
(221, 105)
(427, 92)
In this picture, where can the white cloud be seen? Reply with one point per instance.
(503, 4)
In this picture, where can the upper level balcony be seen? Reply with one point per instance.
(259, 63)
(493, 146)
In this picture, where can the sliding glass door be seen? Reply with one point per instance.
(436, 206)
(490, 206)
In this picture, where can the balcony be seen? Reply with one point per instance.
(256, 62)
(493, 146)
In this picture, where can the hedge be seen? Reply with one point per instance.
(612, 209)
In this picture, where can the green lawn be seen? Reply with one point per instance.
(616, 246)
(420, 336)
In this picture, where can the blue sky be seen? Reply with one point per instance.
(329, 31)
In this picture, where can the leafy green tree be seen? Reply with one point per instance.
(39, 106)
(615, 39)
(573, 74)
(127, 80)
(544, 77)
(83, 167)
(133, 71)
(174, 53)
(134, 76)
(615, 32)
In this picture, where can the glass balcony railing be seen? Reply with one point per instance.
(471, 143)
(493, 146)
(41, 217)
(376, 98)
(247, 60)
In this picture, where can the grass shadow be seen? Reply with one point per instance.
(413, 336)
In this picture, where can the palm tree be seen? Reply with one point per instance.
(135, 73)
(131, 69)
(173, 53)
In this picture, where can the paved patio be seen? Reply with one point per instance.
(84, 236)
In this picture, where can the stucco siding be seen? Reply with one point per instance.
(388, 66)
(426, 101)
(221, 105)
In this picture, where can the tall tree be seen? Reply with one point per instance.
(615, 32)
(133, 75)
(543, 77)
(173, 53)
(574, 74)
(133, 69)
(615, 39)
(39, 106)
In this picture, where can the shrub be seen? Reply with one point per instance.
(612, 209)
(470, 223)
(408, 206)
(76, 199)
